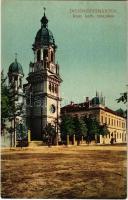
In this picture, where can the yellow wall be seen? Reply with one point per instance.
(116, 124)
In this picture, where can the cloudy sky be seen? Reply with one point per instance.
(91, 49)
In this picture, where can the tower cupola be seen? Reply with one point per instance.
(44, 36)
(44, 20)
(16, 68)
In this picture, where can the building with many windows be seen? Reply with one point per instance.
(115, 120)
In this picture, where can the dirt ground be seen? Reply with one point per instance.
(64, 172)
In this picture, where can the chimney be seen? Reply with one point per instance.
(87, 99)
(71, 103)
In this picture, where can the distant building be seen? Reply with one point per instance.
(15, 82)
(15, 86)
(115, 120)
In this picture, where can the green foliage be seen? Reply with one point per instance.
(87, 127)
(21, 131)
(49, 134)
(103, 130)
(80, 128)
(66, 126)
(5, 105)
(93, 128)
(122, 98)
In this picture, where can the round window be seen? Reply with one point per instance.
(52, 109)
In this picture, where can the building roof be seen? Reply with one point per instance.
(86, 107)
(44, 36)
(15, 67)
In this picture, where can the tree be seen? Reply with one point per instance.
(103, 130)
(92, 128)
(49, 134)
(122, 98)
(80, 129)
(21, 133)
(5, 105)
(66, 127)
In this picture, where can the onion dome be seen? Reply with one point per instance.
(98, 99)
(44, 36)
(15, 67)
(95, 101)
(121, 112)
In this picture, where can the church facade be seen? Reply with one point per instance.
(43, 87)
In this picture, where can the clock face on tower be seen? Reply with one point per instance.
(52, 108)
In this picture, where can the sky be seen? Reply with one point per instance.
(91, 49)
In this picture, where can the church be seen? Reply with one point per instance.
(40, 96)
(40, 100)
(43, 87)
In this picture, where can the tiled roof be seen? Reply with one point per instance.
(85, 107)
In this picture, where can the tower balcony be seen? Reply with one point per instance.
(39, 66)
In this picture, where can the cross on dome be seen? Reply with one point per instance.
(44, 20)
(16, 54)
(44, 10)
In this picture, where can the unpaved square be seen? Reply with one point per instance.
(64, 172)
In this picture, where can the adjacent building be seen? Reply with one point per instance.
(115, 120)
(15, 85)
(15, 82)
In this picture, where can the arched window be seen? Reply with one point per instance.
(56, 88)
(102, 121)
(125, 136)
(45, 53)
(50, 86)
(38, 55)
(20, 85)
(51, 56)
(112, 122)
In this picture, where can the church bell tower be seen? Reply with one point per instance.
(43, 88)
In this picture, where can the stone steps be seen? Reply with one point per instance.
(36, 143)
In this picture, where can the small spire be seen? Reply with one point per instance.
(16, 54)
(44, 20)
(97, 94)
(104, 101)
(44, 10)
